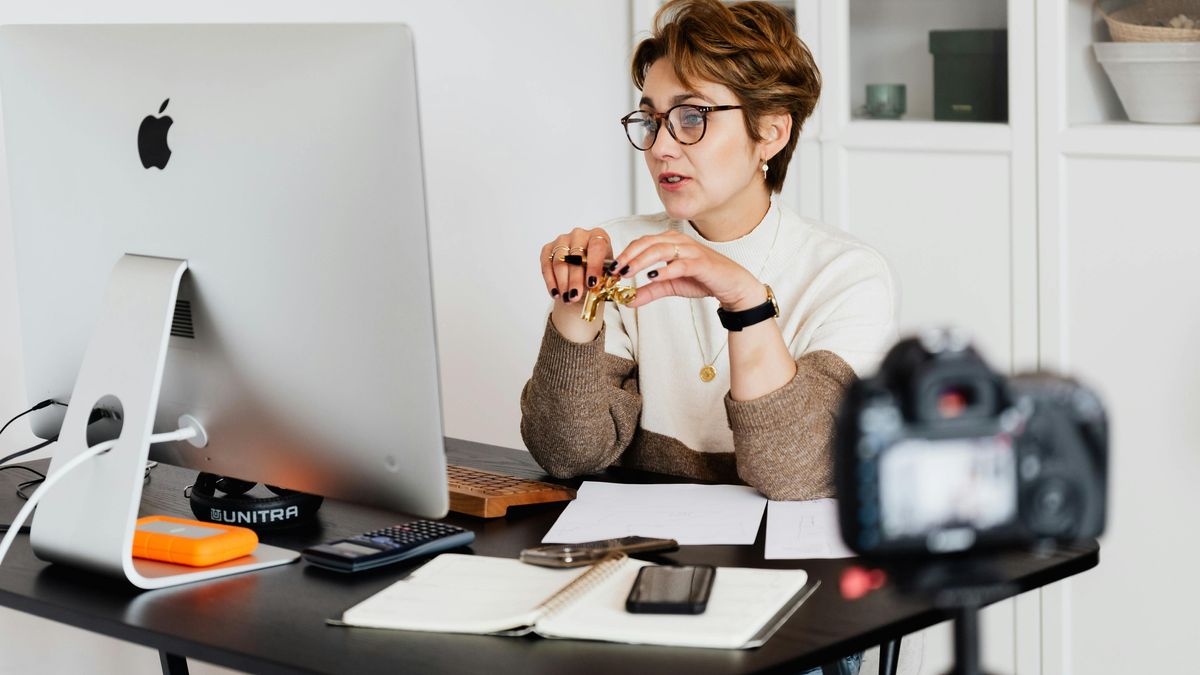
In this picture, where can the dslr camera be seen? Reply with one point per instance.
(938, 454)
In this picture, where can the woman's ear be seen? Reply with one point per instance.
(775, 131)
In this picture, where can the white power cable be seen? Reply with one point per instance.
(181, 434)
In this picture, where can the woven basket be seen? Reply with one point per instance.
(1147, 21)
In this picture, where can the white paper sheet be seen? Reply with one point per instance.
(690, 514)
(804, 530)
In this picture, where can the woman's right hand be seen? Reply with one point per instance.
(568, 284)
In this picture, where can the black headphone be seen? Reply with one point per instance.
(235, 507)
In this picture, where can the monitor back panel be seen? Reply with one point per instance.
(304, 337)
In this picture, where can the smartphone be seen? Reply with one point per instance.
(576, 555)
(671, 589)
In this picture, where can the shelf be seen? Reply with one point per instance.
(927, 135)
(1091, 101)
(1090, 96)
(889, 43)
(1132, 140)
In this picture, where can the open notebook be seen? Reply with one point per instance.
(455, 593)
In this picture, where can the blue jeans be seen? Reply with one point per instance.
(852, 662)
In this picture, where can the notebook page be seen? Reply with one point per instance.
(456, 593)
(742, 601)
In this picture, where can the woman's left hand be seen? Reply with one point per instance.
(692, 271)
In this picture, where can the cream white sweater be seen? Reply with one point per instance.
(834, 293)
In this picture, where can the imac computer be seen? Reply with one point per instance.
(224, 222)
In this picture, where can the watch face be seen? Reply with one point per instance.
(771, 297)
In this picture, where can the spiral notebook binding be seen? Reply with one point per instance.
(585, 582)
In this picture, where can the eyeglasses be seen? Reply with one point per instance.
(686, 124)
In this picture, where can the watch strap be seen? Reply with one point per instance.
(736, 321)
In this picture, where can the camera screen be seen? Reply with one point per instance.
(927, 485)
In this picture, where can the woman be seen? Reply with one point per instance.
(726, 90)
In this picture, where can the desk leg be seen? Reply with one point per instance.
(173, 664)
(889, 657)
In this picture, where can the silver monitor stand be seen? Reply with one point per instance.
(87, 520)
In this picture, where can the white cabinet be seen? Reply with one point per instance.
(952, 205)
(1127, 317)
(1068, 238)
(1119, 236)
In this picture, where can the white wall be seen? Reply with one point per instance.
(487, 71)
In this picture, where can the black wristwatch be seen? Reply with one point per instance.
(736, 321)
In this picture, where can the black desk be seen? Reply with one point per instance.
(273, 621)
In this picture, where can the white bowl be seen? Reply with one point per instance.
(1157, 82)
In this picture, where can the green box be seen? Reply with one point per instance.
(970, 75)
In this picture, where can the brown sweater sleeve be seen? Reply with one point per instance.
(581, 408)
(783, 441)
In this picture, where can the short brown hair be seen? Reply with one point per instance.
(750, 47)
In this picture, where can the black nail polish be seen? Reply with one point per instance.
(652, 273)
(610, 266)
(554, 292)
(591, 281)
(623, 270)
(566, 298)
(574, 293)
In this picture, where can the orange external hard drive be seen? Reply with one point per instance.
(190, 542)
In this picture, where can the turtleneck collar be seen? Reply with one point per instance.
(749, 249)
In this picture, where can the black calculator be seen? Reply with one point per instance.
(388, 545)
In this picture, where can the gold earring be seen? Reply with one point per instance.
(764, 169)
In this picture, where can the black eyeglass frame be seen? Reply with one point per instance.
(657, 118)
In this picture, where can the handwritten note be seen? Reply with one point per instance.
(690, 514)
(804, 530)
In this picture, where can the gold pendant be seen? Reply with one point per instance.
(708, 374)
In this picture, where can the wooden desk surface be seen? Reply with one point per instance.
(273, 621)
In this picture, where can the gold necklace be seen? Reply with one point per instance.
(708, 373)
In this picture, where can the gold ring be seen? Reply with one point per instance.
(599, 236)
(554, 250)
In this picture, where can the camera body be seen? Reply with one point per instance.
(938, 454)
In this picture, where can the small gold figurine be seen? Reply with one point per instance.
(607, 289)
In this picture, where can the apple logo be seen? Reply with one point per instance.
(152, 139)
